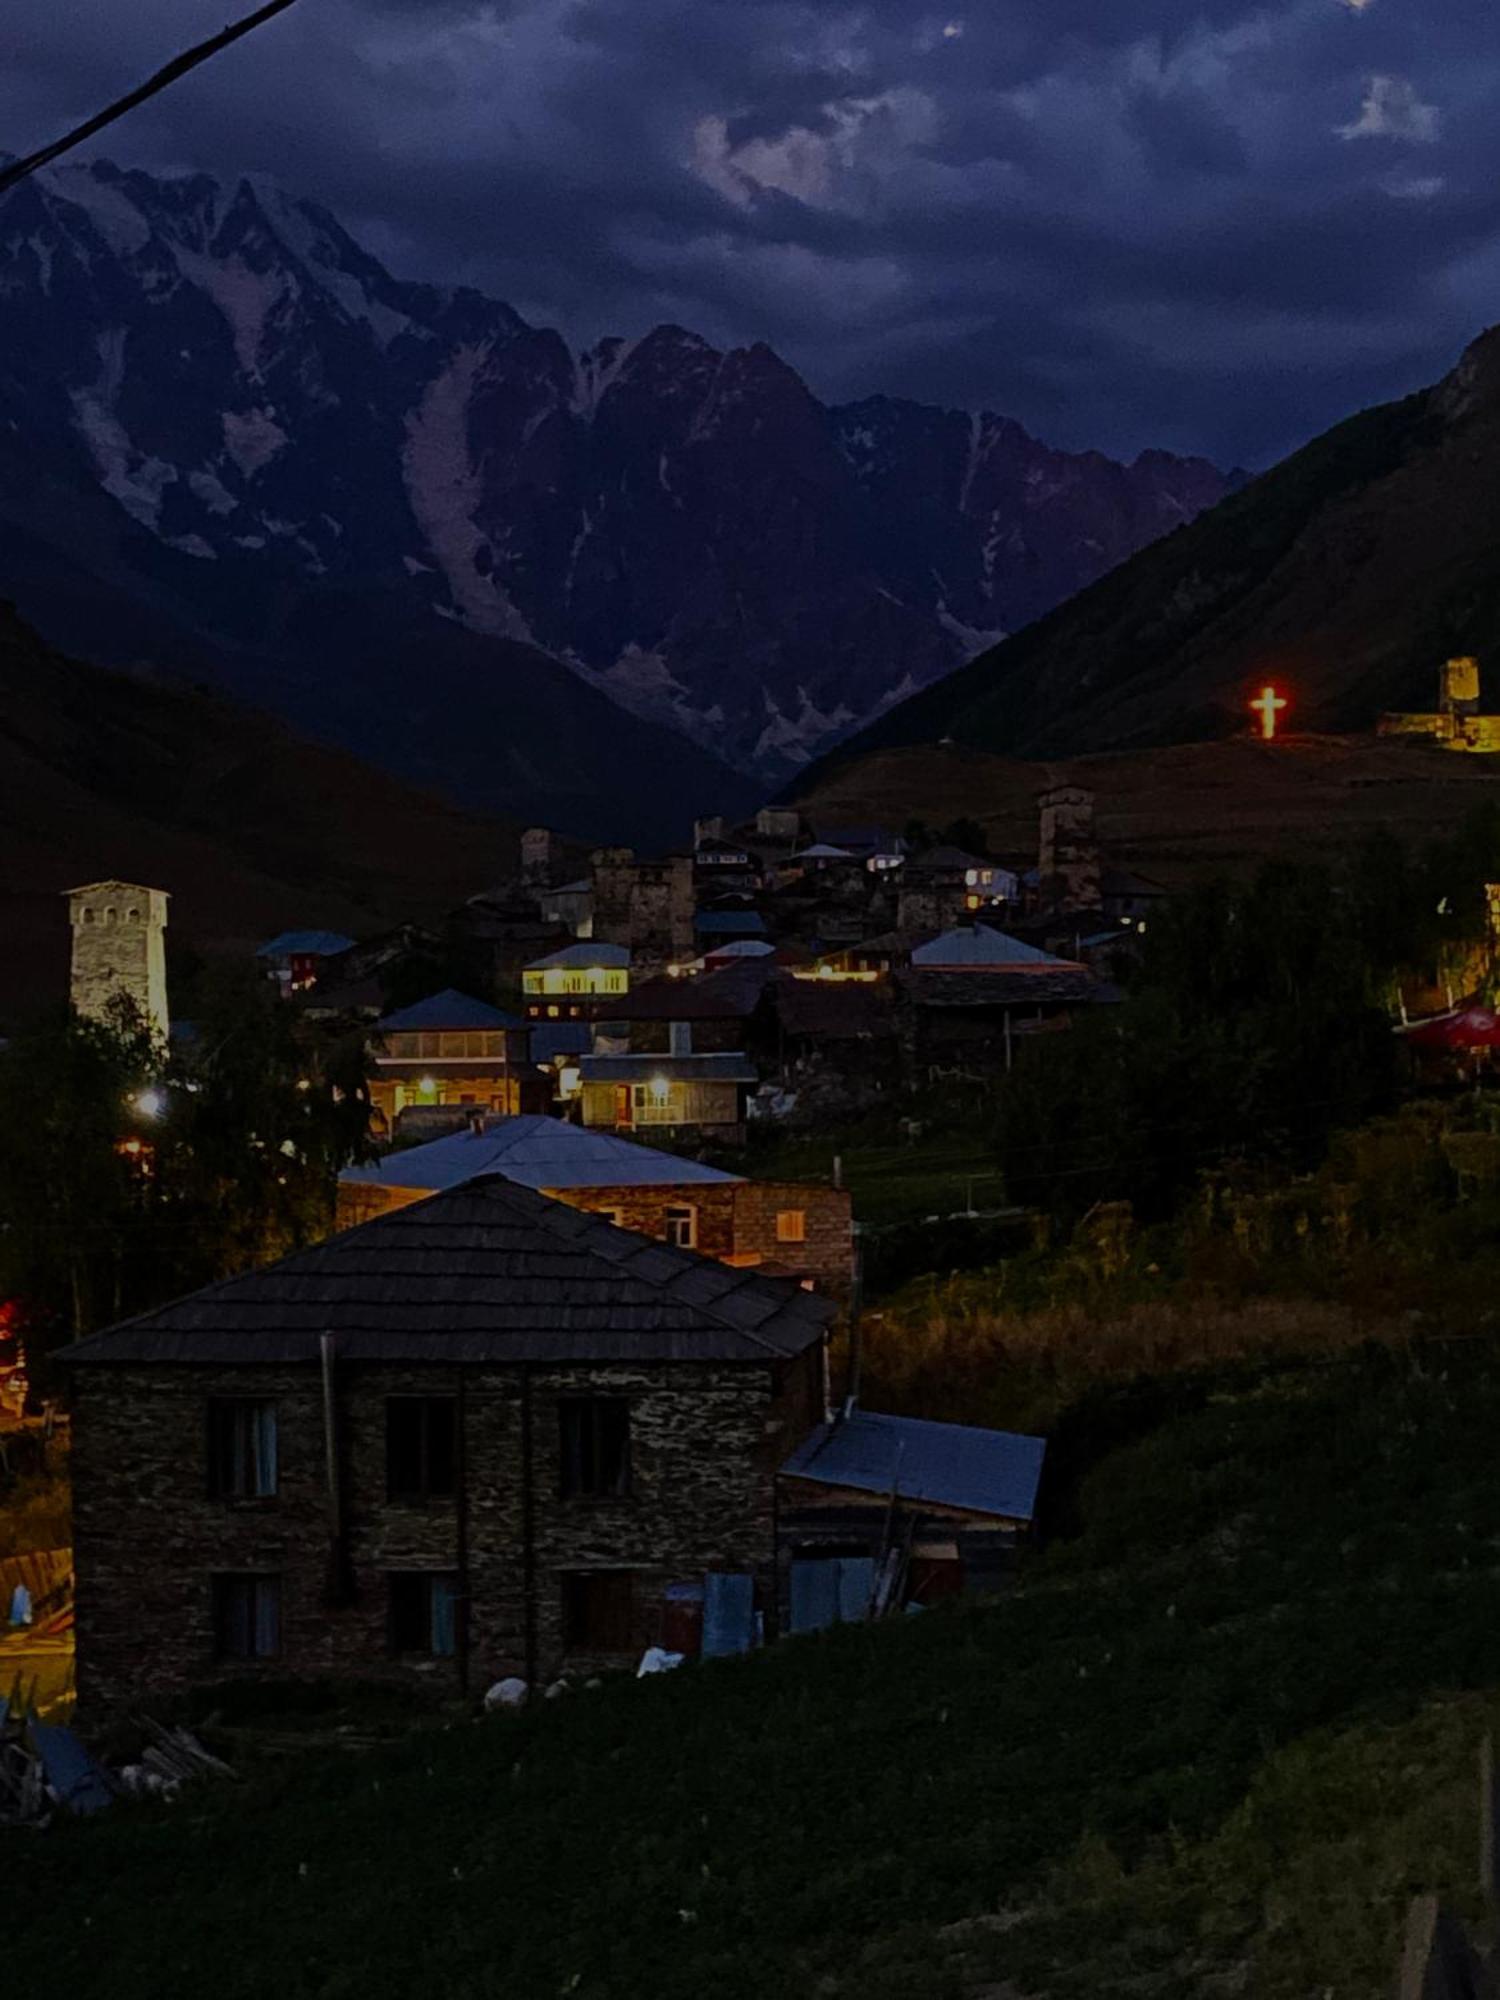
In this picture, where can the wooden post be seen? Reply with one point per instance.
(339, 1581)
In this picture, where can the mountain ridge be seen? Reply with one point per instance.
(686, 530)
(1345, 574)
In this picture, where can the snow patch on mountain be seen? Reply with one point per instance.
(127, 475)
(252, 439)
(246, 298)
(112, 214)
(796, 738)
(445, 486)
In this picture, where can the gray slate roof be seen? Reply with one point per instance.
(981, 945)
(948, 1465)
(583, 958)
(536, 1152)
(489, 1272)
(450, 1011)
(305, 944)
(728, 1068)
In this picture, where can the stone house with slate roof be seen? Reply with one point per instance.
(481, 1435)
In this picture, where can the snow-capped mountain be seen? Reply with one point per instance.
(215, 405)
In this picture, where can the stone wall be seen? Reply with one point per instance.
(827, 1252)
(736, 1220)
(644, 905)
(1068, 849)
(706, 1441)
(119, 950)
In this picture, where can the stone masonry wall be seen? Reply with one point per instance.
(705, 1444)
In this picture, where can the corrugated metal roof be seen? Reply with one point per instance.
(551, 1039)
(536, 1152)
(680, 1069)
(448, 1010)
(948, 1465)
(306, 944)
(730, 923)
(584, 957)
(486, 1272)
(981, 945)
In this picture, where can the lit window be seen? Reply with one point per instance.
(791, 1225)
(424, 1612)
(241, 1448)
(247, 1617)
(661, 1091)
(681, 1227)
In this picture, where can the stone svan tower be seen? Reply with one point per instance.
(645, 905)
(119, 948)
(1068, 856)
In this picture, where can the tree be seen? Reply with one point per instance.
(130, 1173)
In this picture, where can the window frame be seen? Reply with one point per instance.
(615, 1634)
(231, 1456)
(796, 1235)
(428, 1581)
(591, 1465)
(425, 1491)
(674, 1214)
(224, 1585)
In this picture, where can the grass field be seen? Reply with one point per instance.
(891, 1180)
(1209, 1746)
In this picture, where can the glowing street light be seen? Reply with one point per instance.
(151, 1103)
(1268, 707)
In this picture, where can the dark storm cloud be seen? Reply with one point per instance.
(1203, 223)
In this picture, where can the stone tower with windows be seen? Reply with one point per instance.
(1068, 860)
(119, 948)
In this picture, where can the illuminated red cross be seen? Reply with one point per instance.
(1268, 708)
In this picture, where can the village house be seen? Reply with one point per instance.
(484, 1434)
(582, 982)
(675, 1094)
(789, 1228)
(450, 1054)
(877, 1507)
(297, 960)
(683, 1066)
(969, 993)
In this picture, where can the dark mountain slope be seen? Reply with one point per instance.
(1346, 574)
(250, 828)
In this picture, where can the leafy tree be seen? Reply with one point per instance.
(1254, 1030)
(130, 1173)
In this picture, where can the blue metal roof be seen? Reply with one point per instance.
(730, 923)
(448, 1010)
(535, 1152)
(306, 944)
(948, 1465)
(551, 1039)
(584, 957)
(981, 945)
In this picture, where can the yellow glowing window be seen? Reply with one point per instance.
(791, 1225)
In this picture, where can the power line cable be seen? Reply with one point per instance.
(19, 170)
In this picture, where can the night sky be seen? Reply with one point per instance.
(1216, 227)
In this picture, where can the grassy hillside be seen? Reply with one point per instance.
(248, 826)
(1347, 572)
(1210, 1746)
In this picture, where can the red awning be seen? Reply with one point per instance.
(1472, 1027)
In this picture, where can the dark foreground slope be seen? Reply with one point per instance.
(1346, 574)
(1210, 1747)
(249, 827)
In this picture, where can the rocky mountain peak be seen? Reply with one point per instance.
(270, 414)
